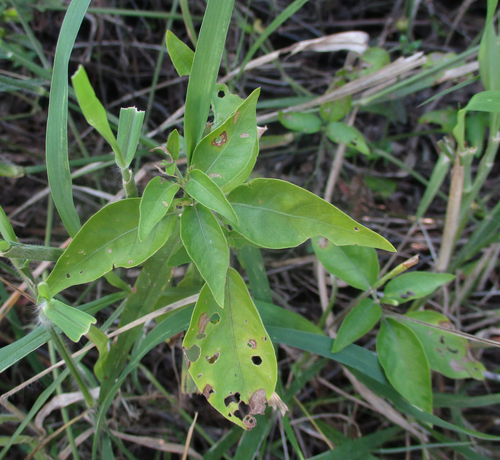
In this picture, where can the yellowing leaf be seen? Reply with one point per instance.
(231, 357)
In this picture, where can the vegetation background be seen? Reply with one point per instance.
(122, 46)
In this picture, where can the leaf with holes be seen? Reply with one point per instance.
(357, 323)
(224, 104)
(340, 133)
(207, 247)
(108, 239)
(447, 353)
(276, 214)
(402, 357)
(231, 357)
(414, 285)
(228, 153)
(205, 190)
(156, 200)
(356, 265)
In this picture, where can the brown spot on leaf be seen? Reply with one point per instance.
(213, 359)
(220, 140)
(258, 402)
(202, 322)
(252, 343)
(236, 115)
(249, 422)
(323, 243)
(208, 390)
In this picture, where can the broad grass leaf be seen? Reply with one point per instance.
(303, 122)
(403, 359)
(231, 356)
(340, 133)
(182, 56)
(207, 192)
(447, 353)
(73, 322)
(228, 153)
(207, 247)
(224, 104)
(414, 285)
(156, 200)
(357, 323)
(276, 214)
(108, 239)
(356, 265)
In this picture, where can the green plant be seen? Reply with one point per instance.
(200, 215)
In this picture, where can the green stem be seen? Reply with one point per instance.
(63, 351)
(129, 184)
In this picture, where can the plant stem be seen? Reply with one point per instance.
(63, 351)
(452, 215)
(129, 184)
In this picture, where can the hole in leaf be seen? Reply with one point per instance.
(232, 398)
(208, 390)
(220, 140)
(257, 360)
(252, 343)
(249, 421)
(215, 318)
(201, 336)
(264, 339)
(356, 229)
(193, 353)
(200, 376)
(68, 275)
(221, 94)
(213, 359)
(81, 272)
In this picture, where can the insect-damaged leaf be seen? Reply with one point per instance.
(156, 200)
(228, 153)
(276, 214)
(224, 104)
(447, 353)
(108, 239)
(231, 356)
(207, 247)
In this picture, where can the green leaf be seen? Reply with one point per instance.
(303, 122)
(356, 265)
(402, 356)
(206, 191)
(129, 131)
(94, 112)
(224, 104)
(108, 239)
(340, 133)
(276, 214)
(447, 353)
(335, 110)
(357, 323)
(228, 153)
(182, 56)
(174, 144)
(73, 322)
(100, 340)
(206, 64)
(207, 247)
(489, 51)
(231, 356)
(414, 285)
(156, 200)
(446, 118)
